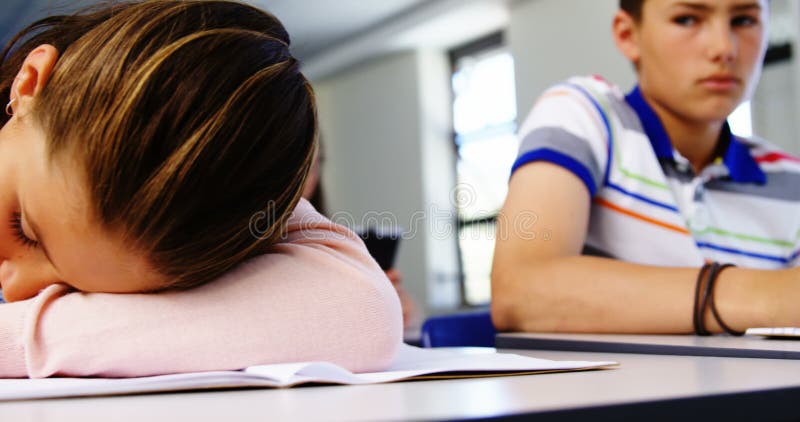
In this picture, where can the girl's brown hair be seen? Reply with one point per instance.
(191, 119)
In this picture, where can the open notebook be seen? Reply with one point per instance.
(412, 363)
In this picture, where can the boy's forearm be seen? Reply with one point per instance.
(589, 294)
(756, 298)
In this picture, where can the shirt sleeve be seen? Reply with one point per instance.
(317, 296)
(566, 128)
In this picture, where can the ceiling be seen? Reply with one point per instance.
(314, 25)
(319, 27)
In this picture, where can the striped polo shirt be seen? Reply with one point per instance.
(648, 206)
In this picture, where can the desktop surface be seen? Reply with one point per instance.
(687, 345)
(645, 386)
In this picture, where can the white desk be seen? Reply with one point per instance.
(651, 386)
(686, 345)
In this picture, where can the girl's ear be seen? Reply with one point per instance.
(32, 77)
(626, 36)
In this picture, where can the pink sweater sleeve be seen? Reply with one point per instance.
(317, 296)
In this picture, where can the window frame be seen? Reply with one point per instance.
(492, 41)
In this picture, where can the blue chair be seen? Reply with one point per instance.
(461, 329)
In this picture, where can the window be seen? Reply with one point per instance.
(484, 120)
(741, 120)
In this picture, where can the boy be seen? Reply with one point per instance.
(655, 184)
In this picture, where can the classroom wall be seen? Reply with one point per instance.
(443, 285)
(386, 130)
(551, 41)
(776, 102)
(775, 113)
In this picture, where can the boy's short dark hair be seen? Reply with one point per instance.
(632, 7)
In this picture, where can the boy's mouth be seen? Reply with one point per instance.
(721, 82)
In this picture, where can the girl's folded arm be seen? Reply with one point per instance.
(318, 296)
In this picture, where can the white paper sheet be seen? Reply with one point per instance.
(411, 362)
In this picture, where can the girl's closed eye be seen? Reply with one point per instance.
(19, 232)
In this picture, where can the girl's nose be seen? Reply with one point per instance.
(22, 281)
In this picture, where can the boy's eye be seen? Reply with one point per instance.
(685, 20)
(16, 228)
(744, 20)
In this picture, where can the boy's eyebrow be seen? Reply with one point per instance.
(747, 6)
(703, 6)
(693, 5)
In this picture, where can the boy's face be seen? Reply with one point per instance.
(698, 59)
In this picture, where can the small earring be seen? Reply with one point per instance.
(9, 109)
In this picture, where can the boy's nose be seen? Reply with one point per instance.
(722, 46)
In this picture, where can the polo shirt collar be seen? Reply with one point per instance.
(742, 167)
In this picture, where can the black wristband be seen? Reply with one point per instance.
(705, 299)
(712, 280)
(699, 307)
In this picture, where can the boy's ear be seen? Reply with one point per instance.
(626, 36)
(32, 77)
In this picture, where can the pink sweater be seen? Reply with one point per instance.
(317, 296)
